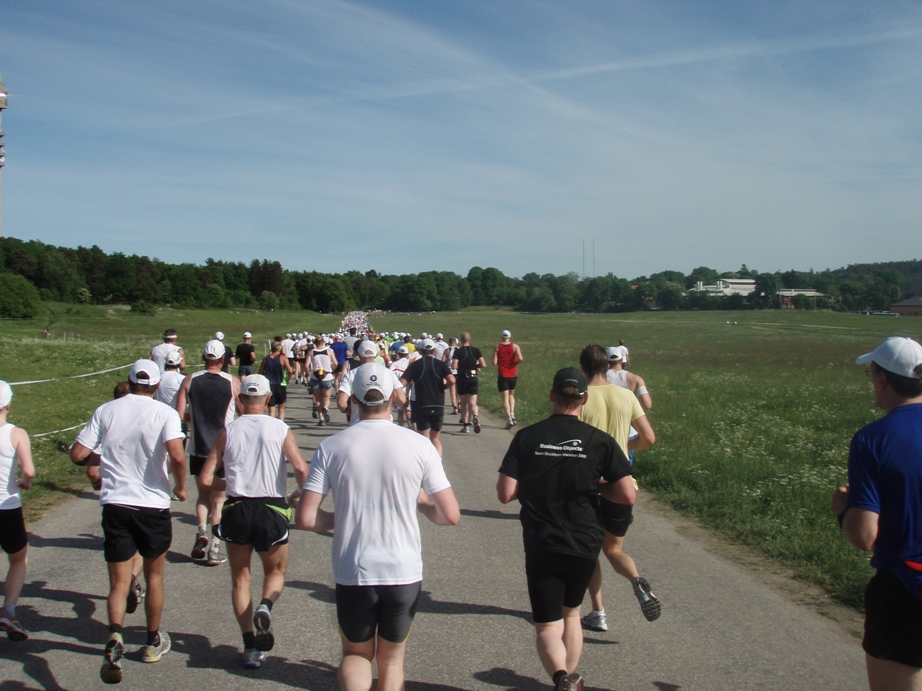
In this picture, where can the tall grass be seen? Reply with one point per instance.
(752, 417)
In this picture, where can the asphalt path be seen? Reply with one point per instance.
(723, 626)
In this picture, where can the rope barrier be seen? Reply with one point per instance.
(75, 376)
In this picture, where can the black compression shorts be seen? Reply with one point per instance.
(506, 383)
(892, 621)
(130, 529)
(388, 610)
(556, 581)
(13, 536)
(616, 518)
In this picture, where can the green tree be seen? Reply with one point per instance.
(19, 299)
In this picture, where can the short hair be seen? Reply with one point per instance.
(371, 396)
(169, 335)
(142, 389)
(318, 340)
(593, 360)
(122, 389)
(276, 346)
(907, 387)
(252, 398)
(465, 337)
(569, 398)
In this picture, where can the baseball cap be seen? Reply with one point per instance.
(613, 353)
(6, 394)
(368, 349)
(567, 377)
(900, 355)
(247, 334)
(403, 350)
(373, 377)
(144, 372)
(214, 350)
(173, 358)
(255, 385)
(427, 344)
(506, 334)
(219, 335)
(439, 336)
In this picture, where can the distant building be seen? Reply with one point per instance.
(725, 287)
(908, 308)
(784, 298)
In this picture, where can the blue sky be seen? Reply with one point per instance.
(444, 134)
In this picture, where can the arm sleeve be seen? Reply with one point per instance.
(434, 478)
(510, 464)
(863, 475)
(89, 435)
(614, 464)
(636, 409)
(173, 427)
(317, 479)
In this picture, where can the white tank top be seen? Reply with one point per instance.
(9, 464)
(254, 465)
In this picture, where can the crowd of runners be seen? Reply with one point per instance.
(223, 424)
(571, 473)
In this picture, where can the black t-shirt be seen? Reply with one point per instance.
(558, 463)
(228, 354)
(468, 357)
(427, 374)
(246, 354)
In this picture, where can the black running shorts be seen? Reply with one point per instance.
(616, 518)
(130, 529)
(556, 581)
(506, 383)
(261, 522)
(363, 610)
(467, 386)
(425, 419)
(892, 621)
(196, 463)
(13, 535)
(279, 395)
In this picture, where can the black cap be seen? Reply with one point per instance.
(569, 377)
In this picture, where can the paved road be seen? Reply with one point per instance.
(721, 628)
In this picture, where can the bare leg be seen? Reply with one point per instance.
(355, 669)
(238, 556)
(119, 582)
(560, 643)
(16, 576)
(621, 562)
(595, 588)
(884, 675)
(390, 657)
(202, 502)
(281, 414)
(275, 563)
(153, 603)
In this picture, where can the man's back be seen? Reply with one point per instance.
(612, 409)
(211, 399)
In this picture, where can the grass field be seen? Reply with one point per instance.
(753, 417)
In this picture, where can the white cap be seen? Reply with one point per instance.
(247, 334)
(439, 336)
(219, 335)
(144, 372)
(173, 358)
(900, 355)
(214, 350)
(403, 350)
(255, 385)
(6, 394)
(427, 344)
(614, 353)
(367, 349)
(506, 334)
(373, 376)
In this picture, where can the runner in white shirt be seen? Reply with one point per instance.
(252, 451)
(15, 453)
(140, 444)
(367, 351)
(171, 379)
(159, 352)
(380, 475)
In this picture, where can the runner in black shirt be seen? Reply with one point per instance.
(430, 378)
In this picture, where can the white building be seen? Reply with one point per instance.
(724, 287)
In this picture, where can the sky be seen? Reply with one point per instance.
(531, 136)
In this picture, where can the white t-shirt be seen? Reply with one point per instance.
(440, 348)
(619, 378)
(159, 353)
(345, 386)
(288, 348)
(170, 382)
(10, 497)
(254, 465)
(131, 435)
(375, 470)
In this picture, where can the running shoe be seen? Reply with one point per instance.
(253, 658)
(201, 546)
(153, 653)
(514, 422)
(570, 682)
(649, 603)
(464, 429)
(509, 423)
(322, 423)
(111, 670)
(262, 622)
(476, 425)
(215, 556)
(314, 413)
(326, 415)
(13, 628)
(595, 621)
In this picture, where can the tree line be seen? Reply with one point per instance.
(32, 271)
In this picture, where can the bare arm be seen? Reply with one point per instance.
(309, 515)
(214, 460)
(79, 454)
(293, 454)
(20, 442)
(645, 435)
(507, 488)
(860, 525)
(177, 453)
(620, 492)
(342, 401)
(495, 356)
(182, 397)
(287, 365)
(518, 354)
(441, 508)
(235, 390)
(262, 366)
(639, 387)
